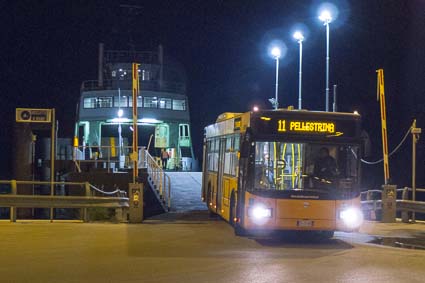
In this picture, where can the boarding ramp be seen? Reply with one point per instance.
(186, 191)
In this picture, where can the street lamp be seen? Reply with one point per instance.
(326, 17)
(276, 53)
(299, 37)
(120, 113)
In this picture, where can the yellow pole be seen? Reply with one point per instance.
(52, 158)
(135, 155)
(381, 98)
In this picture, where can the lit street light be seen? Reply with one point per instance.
(276, 53)
(326, 17)
(120, 114)
(299, 37)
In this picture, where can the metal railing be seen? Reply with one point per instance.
(159, 180)
(156, 175)
(372, 201)
(152, 85)
(13, 200)
(103, 157)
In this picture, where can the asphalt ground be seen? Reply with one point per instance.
(192, 247)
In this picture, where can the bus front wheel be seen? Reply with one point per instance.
(239, 231)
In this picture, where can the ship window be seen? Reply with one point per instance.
(179, 104)
(121, 101)
(104, 102)
(139, 101)
(90, 102)
(146, 75)
(151, 102)
(165, 103)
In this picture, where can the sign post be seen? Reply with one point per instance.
(415, 136)
(31, 115)
(135, 188)
(135, 154)
(381, 98)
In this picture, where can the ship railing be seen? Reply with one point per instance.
(126, 84)
(106, 157)
(118, 56)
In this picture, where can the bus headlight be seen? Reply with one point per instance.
(260, 212)
(352, 217)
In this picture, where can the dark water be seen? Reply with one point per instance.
(416, 243)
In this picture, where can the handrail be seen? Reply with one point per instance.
(161, 180)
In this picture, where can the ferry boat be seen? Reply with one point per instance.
(104, 112)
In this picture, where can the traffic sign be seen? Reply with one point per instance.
(31, 115)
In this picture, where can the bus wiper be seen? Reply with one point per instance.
(337, 134)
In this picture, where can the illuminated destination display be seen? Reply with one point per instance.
(270, 125)
(305, 126)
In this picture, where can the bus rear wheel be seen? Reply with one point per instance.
(232, 213)
(208, 201)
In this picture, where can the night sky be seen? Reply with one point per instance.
(49, 47)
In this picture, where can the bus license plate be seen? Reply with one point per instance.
(305, 223)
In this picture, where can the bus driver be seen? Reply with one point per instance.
(325, 166)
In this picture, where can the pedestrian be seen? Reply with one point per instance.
(164, 158)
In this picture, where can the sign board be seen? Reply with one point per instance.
(30, 115)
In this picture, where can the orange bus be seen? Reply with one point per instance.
(280, 170)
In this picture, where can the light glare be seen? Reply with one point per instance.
(352, 217)
(298, 36)
(325, 16)
(276, 53)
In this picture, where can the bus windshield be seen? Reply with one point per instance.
(287, 166)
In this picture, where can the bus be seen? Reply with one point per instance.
(284, 170)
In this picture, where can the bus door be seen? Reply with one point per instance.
(220, 174)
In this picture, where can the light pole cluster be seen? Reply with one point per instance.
(325, 16)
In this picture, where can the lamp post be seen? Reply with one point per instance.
(300, 37)
(120, 114)
(276, 53)
(326, 17)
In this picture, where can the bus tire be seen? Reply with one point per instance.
(232, 213)
(326, 234)
(210, 212)
(239, 231)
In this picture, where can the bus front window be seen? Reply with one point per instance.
(285, 166)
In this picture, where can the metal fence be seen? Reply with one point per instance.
(84, 198)
(372, 203)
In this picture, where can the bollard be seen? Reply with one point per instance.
(13, 191)
(136, 202)
(389, 209)
(405, 213)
